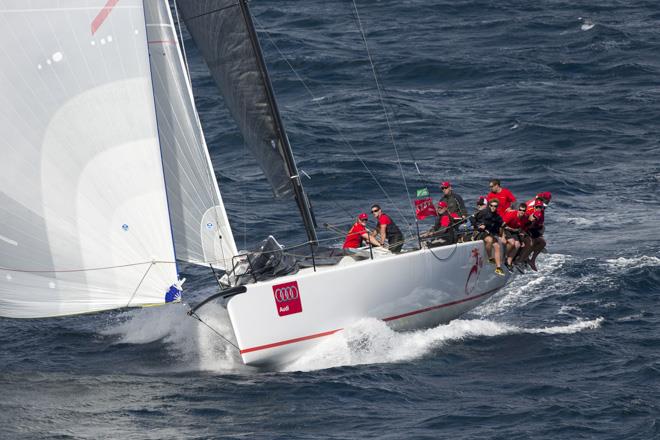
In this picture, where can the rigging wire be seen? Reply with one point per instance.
(382, 102)
(194, 315)
(343, 138)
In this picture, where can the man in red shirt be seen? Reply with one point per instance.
(543, 196)
(503, 195)
(534, 228)
(514, 221)
(359, 234)
(387, 229)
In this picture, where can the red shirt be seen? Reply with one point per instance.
(538, 215)
(384, 220)
(354, 236)
(505, 197)
(512, 220)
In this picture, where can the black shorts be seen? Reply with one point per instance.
(510, 234)
(535, 233)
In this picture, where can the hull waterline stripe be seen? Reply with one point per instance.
(449, 304)
(391, 318)
(289, 341)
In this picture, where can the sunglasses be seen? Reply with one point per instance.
(538, 207)
(522, 210)
(493, 205)
(375, 210)
(444, 187)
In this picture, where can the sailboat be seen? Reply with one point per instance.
(108, 184)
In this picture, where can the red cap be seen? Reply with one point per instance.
(445, 184)
(442, 204)
(363, 216)
(545, 196)
(482, 200)
(539, 203)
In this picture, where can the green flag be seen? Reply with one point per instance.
(424, 192)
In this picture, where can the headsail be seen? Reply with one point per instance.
(199, 222)
(224, 34)
(84, 223)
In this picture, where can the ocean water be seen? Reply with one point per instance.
(547, 96)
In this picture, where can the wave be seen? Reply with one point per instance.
(194, 346)
(371, 341)
(623, 263)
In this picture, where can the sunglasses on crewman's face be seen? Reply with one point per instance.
(373, 211)
(538, 207)
(522, 210)
(494, 205)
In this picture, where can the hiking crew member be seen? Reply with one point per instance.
(503, 196)
(442, 231)
(358, 234)
(544, 197)
(535, 230)
(455, 204)
(491, 223)
(513, 234)
(387, 229)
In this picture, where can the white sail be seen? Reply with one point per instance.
(84, 222)
(199, 222)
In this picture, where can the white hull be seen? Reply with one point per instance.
(409, 291)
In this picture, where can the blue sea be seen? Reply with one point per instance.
(558, 96)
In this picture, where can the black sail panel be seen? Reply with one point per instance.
(221, 34)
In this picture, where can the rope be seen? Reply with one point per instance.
(140, 283)
(85, 270)
(382, 103)
(194, 315)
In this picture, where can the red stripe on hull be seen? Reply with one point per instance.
(391, 318)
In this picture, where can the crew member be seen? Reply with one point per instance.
(535, 229)
(503, 196)
(491, 224)
(543, 196)
(476, 218)
(387, 229)
(442, 232)
(514, 236)
(455, 204)
(358, 234)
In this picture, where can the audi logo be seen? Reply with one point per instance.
(285, 294)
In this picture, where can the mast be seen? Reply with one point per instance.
(299, 193)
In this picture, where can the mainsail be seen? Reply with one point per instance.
(84, 223)
(199, 222)
(224, 33)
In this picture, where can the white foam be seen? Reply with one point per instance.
(196, 346)
(371, 341)
(578, 221)
(627, 263)
(530, 287)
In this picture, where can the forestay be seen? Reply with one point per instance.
(199, 221)
(84, 223)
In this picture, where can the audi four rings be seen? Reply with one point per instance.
(284, 294)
